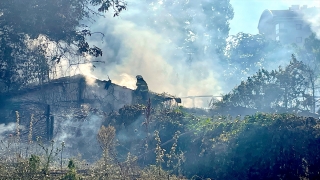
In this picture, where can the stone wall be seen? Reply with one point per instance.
(65, 96)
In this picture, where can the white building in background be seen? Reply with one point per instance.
(286, 26)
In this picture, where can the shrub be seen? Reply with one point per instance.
(262, 146)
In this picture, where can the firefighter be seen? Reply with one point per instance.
(142, 88)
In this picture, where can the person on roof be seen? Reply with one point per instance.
(142, 88)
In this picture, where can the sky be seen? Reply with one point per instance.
(247, 12)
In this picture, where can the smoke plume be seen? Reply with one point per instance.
(148, 40)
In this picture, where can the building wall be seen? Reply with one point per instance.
(286, 26)
(74, 91)
(67, 97)
(290, 31)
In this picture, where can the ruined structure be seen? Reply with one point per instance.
(49, 101)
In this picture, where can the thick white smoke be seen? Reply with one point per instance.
(147, 40)
(313, 18)
(80, 136)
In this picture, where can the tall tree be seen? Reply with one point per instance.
(57, 22)
(201, 27)
(247, 52)
(312, 46)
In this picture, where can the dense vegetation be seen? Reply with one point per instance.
(294, 84)
(259, 146)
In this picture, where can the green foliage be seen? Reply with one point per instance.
(249, 51)
(71, 174)
(34, 163)
(15, 55)
(37, 34)
(41, 17)
(311, 46)
(71, 165)
(117, 6)
(262, 146)
(130, 113)
(50, 153)
(283, 90)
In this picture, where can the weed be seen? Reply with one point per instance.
(71, 174)
(50, 153)
(159, 152)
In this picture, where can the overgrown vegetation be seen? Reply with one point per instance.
(260, 146)
(43, 160)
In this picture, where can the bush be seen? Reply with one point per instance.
(262, 146)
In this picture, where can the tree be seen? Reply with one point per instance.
(246, 53)
(312, 45)
(310, 53)
(201, 27)
(247, 50)
(57, 20)
(19, 64)
(23, 24)
(283, 90)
